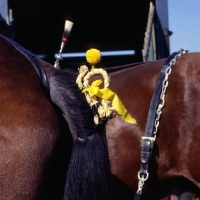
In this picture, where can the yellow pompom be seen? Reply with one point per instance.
(93, 56)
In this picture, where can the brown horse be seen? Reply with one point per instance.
(31, 132)
(36, 147)
(175, 158)
(173, 168)
(36, 143)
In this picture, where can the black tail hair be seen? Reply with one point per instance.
(88, 175)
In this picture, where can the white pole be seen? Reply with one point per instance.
(65, 36)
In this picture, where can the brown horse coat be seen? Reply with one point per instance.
(177, 145)
(29, 130)
(33, 159)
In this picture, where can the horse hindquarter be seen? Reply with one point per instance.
(28, 127)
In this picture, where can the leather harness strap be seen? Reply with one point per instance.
(36, 64)
(121, 67)
(147, 143)
(157, 102)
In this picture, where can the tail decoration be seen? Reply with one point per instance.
(88, 175)
(104, 101)
(65, 36)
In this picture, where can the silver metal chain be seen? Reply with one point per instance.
(163, 91)
(143, 177)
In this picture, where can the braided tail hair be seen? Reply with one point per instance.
(88, 175)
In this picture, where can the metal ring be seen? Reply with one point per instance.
(142, 178)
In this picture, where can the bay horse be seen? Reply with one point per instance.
(30, 131)
(173, 172)
(175, 160)
(173, 169)
(36, 145)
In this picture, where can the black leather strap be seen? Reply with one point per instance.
(38, 67)
(155, 98)
(147, 141)
(117, 68)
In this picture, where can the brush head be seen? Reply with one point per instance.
(68, 26)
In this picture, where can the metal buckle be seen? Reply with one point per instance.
(151, 139)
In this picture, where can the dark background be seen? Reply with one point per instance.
(103, 24)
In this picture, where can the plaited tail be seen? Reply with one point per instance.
(88, 175)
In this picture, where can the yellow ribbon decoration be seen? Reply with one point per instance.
(109, 95)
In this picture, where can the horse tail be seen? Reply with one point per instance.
(88, 174)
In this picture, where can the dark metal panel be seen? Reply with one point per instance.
(162, 29)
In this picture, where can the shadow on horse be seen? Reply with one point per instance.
(43, 157)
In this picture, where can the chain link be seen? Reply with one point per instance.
(142, 178)
(163, 91)
(158, 114)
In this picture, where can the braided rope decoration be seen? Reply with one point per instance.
(104, 107)
(104, 103)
